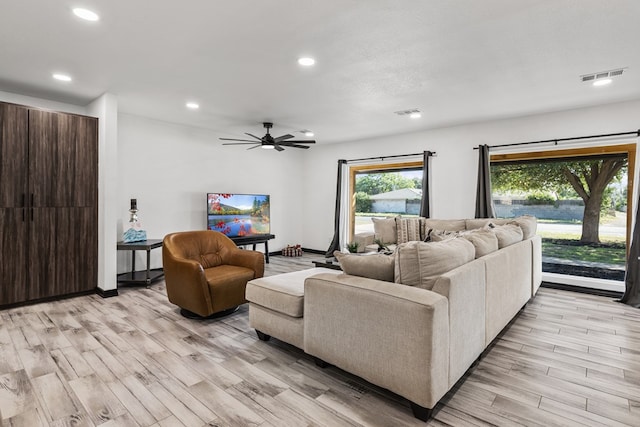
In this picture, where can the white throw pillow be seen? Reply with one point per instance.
(385, 229)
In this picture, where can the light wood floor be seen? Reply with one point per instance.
(568, 359)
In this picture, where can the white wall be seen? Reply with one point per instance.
(169, 168)
(454, 170)
(105, 108)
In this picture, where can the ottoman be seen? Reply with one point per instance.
(276, 305)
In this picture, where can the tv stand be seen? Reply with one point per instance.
(254, 240)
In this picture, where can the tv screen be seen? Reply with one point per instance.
(238, 215)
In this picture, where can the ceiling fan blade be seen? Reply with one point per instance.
(256, 145)
(234, 139)
(298, 146)
(277, 147)
(241, 143)
(297, 142)
(283, 137)
(253, 136)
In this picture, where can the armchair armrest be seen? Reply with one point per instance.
(392, 335)
(253, 260)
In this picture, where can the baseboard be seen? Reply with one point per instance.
(307, 250)
(582, 290)
(108, 293)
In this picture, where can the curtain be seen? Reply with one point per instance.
(484, 202)
(335, 243)
(632, 276)
(424, 203)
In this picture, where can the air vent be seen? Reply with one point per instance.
(407, 112)
(602, 75)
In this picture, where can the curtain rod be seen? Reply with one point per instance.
(555, 141)
(429, 153)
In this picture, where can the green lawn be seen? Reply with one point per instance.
(612, 253)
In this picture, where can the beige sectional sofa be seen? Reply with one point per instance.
(418, 334)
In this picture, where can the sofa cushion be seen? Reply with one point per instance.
(445, 224)
(408, 229)
(421, 263)
(484, 241)
(373, 266)
(283, 293)
(385, 229)
(528, 224)
(473, 224)
(507, 234)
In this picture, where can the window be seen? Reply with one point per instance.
(383, 190)
(580, 197)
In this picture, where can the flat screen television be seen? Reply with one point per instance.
(238, 215)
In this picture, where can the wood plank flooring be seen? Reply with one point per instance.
(132, 360)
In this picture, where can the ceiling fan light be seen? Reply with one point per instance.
(308, 133)
(268, 147)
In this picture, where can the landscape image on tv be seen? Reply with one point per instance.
(238, 215)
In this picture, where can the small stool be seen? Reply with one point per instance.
(276, 305)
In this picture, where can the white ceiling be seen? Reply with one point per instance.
(457, 61)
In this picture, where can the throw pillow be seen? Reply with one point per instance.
(421, 263)
(385, 229)
(375, 266)
(507, 234)
(408, 230)
(440, 235)
(484, 241)
(528, 224)
(473, 224)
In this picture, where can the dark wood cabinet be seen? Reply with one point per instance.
(48, 203)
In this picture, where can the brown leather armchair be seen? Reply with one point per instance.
(206, 273)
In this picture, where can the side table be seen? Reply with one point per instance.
(143, 277)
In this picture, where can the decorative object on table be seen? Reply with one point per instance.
(134, 233)
(353, 247)
(295, 250)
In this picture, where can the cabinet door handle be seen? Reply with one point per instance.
(24, 214)
(32, 214)
(31, 202)
(24, 199)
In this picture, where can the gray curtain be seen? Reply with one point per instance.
(424, 203)
(632, 277)
(484, 202)
(335, 243)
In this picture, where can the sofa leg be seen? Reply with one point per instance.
(262, 336)
(420, 412)
(320, 363)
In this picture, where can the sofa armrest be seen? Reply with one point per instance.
(465, 290)
(392, 335)
(253, 260)
(363, 240)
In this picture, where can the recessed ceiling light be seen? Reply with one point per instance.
(85, 14)
(415, 115)
(193, 105)
(308, 133)
(62, 77)
(601, 82)
(306, 61)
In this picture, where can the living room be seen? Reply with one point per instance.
(168, 163)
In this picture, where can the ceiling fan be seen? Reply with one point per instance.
(268, 141)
